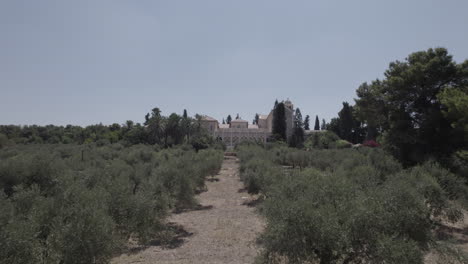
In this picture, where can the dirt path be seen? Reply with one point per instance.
(223, 232)
(454, 234)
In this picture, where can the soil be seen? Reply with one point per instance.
(223, 229)
(455, 235)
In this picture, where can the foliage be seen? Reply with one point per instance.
(279, 122)
(81, 203)
(317, 123)
(456, 103)
(324, 125)
(321, 140)
(4, 141)
(340, 144)
(156, 130)
(297, 137)
(419, 107)
(255, 120)
(346, 125)
(307, 122)
(371, 144)
(349, 205)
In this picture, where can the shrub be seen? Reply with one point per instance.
(371, 144)
(4, 141)
(341, 144)
(80, 204)
(458, 163)
(315, 216)
(348, 205)
(321, 140)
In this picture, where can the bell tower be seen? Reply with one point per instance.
(288, 104)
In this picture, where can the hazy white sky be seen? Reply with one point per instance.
(85, 62)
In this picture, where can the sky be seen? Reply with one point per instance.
(107, 61)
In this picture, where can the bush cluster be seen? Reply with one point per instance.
(371, 143)
(348, 205)
(81, 204)
(326, 140)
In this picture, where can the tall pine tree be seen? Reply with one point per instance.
(297, 138)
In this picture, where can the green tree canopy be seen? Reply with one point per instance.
(346, 125)
(407, 106)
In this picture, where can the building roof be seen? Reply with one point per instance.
(262, 116)
(251, 126)
(239, 121)
(223, 125)
(208, 118)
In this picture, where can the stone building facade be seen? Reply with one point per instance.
(240, 130)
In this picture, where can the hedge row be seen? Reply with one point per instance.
(349, 205)
(81, 204)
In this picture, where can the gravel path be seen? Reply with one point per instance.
(224, 231)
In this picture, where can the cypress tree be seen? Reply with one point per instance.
(317, 123)
(279, 122)
(306, 122)
(346, 122)
(229, 119)
(185, 125)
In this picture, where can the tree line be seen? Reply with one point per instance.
(164, 131)
(417, 112)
